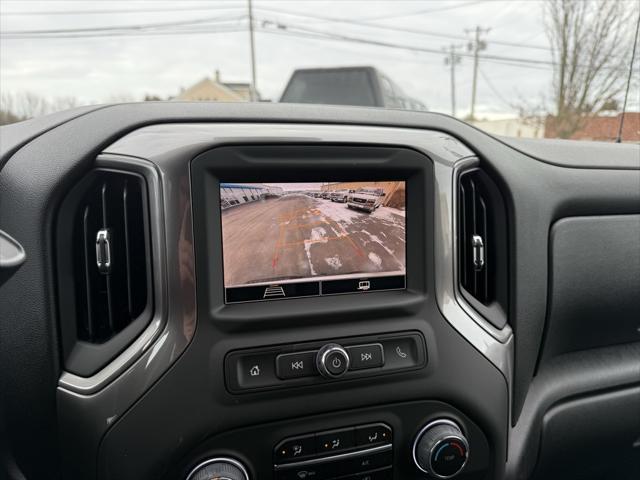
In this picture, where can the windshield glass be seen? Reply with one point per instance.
(534, 69)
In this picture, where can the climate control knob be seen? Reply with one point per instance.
(332, 361)
(219, 469)
(440, 449)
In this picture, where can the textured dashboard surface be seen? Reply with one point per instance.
(41, 159)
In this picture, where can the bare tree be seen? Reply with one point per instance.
(15, 107)
(591, 42)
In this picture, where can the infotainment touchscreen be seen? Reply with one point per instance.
(291, 240)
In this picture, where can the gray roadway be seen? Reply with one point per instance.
(297, 236)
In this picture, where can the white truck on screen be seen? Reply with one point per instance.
(367, 199)
(340, 195)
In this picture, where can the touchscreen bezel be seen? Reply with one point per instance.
(298, 162)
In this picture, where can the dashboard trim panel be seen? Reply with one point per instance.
(170, 145)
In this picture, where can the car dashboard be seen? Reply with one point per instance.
(142, 338)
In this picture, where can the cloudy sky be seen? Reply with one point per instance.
(177, 43)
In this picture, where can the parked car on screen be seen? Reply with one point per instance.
(340, 195)
(367, 199)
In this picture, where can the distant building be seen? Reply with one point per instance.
(394, 191)
(232, 194)
(511, 127)
(601, 128)
(215, 90)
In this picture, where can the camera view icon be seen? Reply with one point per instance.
(274, 291)
(364, 285)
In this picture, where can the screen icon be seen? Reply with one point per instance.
(274, 291)
(364, 285)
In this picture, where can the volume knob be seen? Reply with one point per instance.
(219, 469)
(440, 449)
(332, 361)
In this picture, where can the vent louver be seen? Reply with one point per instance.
(482, 245)
(104, 271)
(111, 267)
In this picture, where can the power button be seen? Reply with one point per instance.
(332, 360)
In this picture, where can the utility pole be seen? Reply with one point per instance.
(452, 60)
(476, 46)
(253, 91)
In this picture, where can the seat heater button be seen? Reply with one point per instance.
(335, 441)
(373, 435)
(293, 449)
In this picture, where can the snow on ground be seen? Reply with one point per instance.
(340, 213)
(391, 214)
(337, 211)
(375, 238)
(307, 249)
(375, 259)
(334, 262)
(319, 234)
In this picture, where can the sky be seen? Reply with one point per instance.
(124, 68)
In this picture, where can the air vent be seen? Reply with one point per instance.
(104, 267)
(482, 245)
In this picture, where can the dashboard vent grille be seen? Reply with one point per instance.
(482, 245)
(111, 245)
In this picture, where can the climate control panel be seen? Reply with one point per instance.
(351, 453)
(417, 440)
(317, 362)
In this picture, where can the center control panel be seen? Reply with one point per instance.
(319, 362)
(352, 453)
(416, 440)
(360, 452)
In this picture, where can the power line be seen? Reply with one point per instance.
(321, 34)
(115, 11)
(283, 29)
(154, 33)
(366, 23)
(495, 91)
(208, 8)
(379, 17)
(122, 27)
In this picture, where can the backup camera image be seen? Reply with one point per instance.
(283, 240)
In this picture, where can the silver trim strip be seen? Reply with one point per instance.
(334, 458)
(233, 462)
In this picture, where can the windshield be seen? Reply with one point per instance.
(532, 69)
